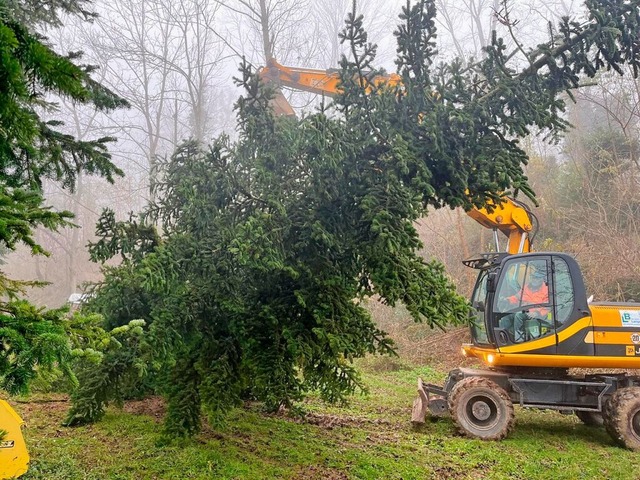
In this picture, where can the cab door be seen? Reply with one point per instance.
(574, 325)
(523, 305)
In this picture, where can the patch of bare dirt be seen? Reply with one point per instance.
(55, 408)
(154, 407)
(379, 430)
(449, 473)
(36, 411)
(50, 405)
(330, 422)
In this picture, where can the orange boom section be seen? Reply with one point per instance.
(323, 82)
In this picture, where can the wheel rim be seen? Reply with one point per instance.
(482, 412)
(635, 425)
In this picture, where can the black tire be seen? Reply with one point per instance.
(592, 419)
(481, 409)
(622, 417)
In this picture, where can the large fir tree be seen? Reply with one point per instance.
(272, 242)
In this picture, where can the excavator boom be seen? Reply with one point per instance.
(322, 82)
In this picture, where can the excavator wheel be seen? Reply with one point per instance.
(481, 409)
(591, 419)
(622, 417)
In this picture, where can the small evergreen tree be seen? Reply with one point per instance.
(271, 243)
(31, 338)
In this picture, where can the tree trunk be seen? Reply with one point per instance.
(264, 25)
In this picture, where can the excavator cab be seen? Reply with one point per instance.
(531, 304)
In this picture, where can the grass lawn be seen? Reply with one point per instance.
(371, 438)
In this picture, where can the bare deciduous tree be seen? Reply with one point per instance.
(165, 58)
(267, 29)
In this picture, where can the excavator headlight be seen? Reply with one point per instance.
(490, 359)
(463, 351)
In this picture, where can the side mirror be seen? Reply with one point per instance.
(491, 282)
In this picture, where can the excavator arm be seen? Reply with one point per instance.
(323, 82)
(512, 218)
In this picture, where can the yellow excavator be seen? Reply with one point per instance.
(531, 322)
(529, 340)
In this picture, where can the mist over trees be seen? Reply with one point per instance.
(174, 64)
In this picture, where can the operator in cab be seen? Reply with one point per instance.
(528, 304)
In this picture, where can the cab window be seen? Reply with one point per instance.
(522, 303)
(563, 290)
(478, 325)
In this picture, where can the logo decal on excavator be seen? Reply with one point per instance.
(630, 318)
(635, 338)
(8, 444)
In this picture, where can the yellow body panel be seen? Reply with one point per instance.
(608, 315)
(496, 359)
(549, 341)
(603, 330)
(14, 459)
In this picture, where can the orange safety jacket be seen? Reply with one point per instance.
(533, 297)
